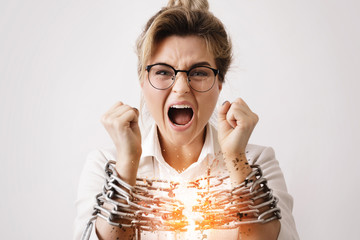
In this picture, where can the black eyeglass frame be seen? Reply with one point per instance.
(148, 67)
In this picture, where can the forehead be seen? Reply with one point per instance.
(182, 51)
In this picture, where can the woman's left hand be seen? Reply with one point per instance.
(236, 123)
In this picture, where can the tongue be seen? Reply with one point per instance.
(181, 116)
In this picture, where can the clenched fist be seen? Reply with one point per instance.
(121, 122)
(236, 123)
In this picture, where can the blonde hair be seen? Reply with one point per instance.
(182, 18)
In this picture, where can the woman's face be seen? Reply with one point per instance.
(180, 112)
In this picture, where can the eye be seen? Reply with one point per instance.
(163, 72)
(200, 72)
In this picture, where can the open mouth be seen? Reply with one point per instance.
(180, 114)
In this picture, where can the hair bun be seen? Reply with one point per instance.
(190, 4)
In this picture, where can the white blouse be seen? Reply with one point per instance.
(153, 165)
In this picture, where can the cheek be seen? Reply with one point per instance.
(154, 100)
(207, 104)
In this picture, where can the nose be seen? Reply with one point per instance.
(181, 84)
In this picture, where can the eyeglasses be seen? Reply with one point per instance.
(200, 78)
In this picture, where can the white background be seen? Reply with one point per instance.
(64, 63)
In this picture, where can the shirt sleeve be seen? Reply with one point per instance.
(91, 182)
(272, 172)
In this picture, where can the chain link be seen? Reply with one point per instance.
(160, 205)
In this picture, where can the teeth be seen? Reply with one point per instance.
(180, 106)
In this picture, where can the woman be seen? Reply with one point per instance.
(184, 54)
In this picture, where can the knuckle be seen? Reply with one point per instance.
(239, 100)
(127, 108)
(116, 105)
(234, 105)
(136, 111)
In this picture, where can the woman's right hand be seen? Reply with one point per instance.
(121, 122)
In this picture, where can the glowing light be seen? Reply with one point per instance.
(191, 207)
(189, 198)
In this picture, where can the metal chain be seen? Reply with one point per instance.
(158, 205)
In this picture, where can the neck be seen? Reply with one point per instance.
(180, 157)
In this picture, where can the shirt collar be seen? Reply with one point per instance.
(151, 146)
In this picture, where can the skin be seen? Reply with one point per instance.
(180, 53)
(236, 123)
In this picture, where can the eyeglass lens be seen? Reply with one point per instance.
(200, 78)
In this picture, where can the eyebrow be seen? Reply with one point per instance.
(192, 66)
(201, 64)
